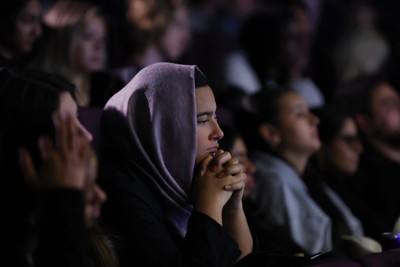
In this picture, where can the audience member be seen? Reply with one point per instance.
(341, 145)
(75, 49)
(267, 239)
(375, 105)
(165, 43)
(275, 47)
(174, 197)
(50, 173)
(20, 29)
(234, 144)
(327, 179)
(215, 28)
(282, 135)
(362, 48)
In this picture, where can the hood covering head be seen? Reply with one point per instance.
(159, 109)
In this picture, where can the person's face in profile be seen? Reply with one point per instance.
(385, 107)
(94, 195)
(297, 125)
(343, 152)
(208, 130)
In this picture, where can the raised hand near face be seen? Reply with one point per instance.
(68, 161)
(220, 181)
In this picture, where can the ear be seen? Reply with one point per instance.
(270, 134)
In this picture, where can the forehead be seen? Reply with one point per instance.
(205, 99)
(382, 93)
(291, 99)
(384, 90)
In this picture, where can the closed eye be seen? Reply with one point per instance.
(202, 122)
(204, 117)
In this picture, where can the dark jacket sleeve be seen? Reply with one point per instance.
(61, 229)
(133, 214)
(207, 244)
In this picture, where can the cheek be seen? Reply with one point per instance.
(21, 35)
(76, 53)
(202, 139)
(171, 43)
(344, 158)
(300, 134)
(393, 120)
(81, 52)
(337, 155)
(199, 149)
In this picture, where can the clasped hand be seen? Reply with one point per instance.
(220, 182)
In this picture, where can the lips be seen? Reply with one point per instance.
(212, 150)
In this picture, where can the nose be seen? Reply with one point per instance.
(217, 133)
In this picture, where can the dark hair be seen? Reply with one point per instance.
(27, 100)
(199, 79)
(8, 14)
(331, 121)
(355, 96)
(263, 107)
(261, 38)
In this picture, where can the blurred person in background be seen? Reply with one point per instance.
(274, 50)
(375, 106)
(20, 29)
(155, 31)
(50, 199)
(75, 49)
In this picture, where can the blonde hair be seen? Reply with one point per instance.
(101, 248)
(66, 18)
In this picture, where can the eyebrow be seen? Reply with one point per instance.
(205, 113)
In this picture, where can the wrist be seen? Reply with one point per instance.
(233, 208)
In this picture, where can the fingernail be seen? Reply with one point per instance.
(228, 187)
